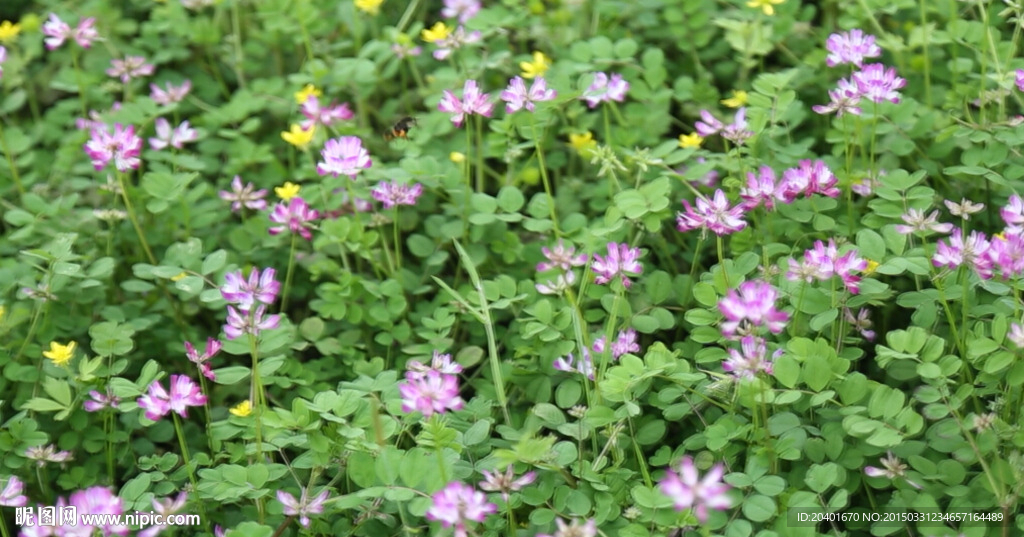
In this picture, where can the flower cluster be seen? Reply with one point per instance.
(620, 262)
(823, 261)
(303, 506)
(3, 58)
(736, 132)
(518, 97)
(158, 402)
(213, 346)
(448, 41)
(1004, 252)
(688, 491)
(564, 259)
(461, 9)
(750, 359)
(170, 93)
(457, 504)
(244, 196)
(131, 67)
(473, 102)
(261, 289)
(122, 147)
(391, 194)
(625, 343)
(343, 156)
(58, 31)
(176, 138)
(605, 89)
(91, 501)
(505, 482)
(294, 215)
(714, 215)
(874, 82)
(433, 389)
(325, 116)
(751, 305)
(807, 178)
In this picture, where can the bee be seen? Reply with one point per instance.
(400, 129)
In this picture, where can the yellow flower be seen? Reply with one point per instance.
(60, 354)
(690, 140)
(308, 91)
(178, 277)
(287, 191)
(9, 31)
(457, 157)
(738, 99)
(369, 6)
(537, 67)
(584, 143)
(765, 5)
(298, 136)
(872, 266)
(438, 33)
(3, 310)
(242, 409)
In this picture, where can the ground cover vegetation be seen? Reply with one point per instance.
(516, 268)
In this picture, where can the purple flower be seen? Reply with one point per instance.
(565, 258)
(473, 102)
(603, 89)
(95, 119)
(518, 97)
(12, 496)
(504, 483)
(1013, 212)
(98, 401)
(176, 138)
(260, 287)
(122, 147)
(457, 504)
(430, 392)
(1016, 335)
(625, 343)
(323, 115)
(892, 467)
(164, 508)
(1006, 252)
(295, 216)
(860, 323)
(737, 131)
(213, 346)
(304, 506)
(751, 359)
(558, 285)
(1019, 75)
(751, 305)
(343, 156)
(823, 261)
(391, 194)
(964, 209)
(130, 67)
(47, 453)
(95, 501)
(184, 393)
(244, 196)
(620, 261)
(463, 9)
(971, 252)
(762, 187)
(851, 47)
(878, 84)
(574, 529)
(714, 215)
(809, 178)
(3, 58)
(245, 321)
(58, 31)
(455, 40)
(688, 491)
(843, 100)
(173, 94)
(918, 222)
(440, 362)
(708, 125)
(569, 364)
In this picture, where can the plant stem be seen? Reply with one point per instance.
(188, 466)
(133, 218)
(288, 274)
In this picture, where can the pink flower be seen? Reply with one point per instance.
(130, 67)
(473, 102)
(762, 187)
(184, 393)
(245, 321)
(1019, 75)
(295, 216)
(878, 84)
(625, 343)
(182, 134)
(164, 508)
(749, 306)
(391, 193)
(457, 504)
(574, 529)
(95, 119)
(518, 97)
(809, 178)
(244, 196)
(860, 323)
(173, 94)
(620, 261)
(12, 496)
(304, 506)
(1006, 252)
(843, 100)
(463, 9)
(603, 89)
(3, 58)
(850, 47)
(737, 131)
(751, 359)
(430, 392)
(260, 287)
(47, 453)
(1013, 213)
(918, 222)
(708, 125)
(95, 501)
(971, 252)
(688, 491)
(122, 147)
(964, 209)
(343, 156)
(892, 468)
(323, 115)
(569, 364)
(714, 215)
(213, 346)
(1016, 335)
(504, 483)
(98, 401)
(58, 31)
(558, 285)
(440, 362)
(565, 258)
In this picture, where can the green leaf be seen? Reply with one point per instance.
(758, 508)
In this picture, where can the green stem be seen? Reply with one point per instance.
(188, 466)
(478, 123)
(258, 399)
(407, 16)
(288, 274)
(544, 176)
(398, 243)
(236, 34)
(133, 218)
(721, 259)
